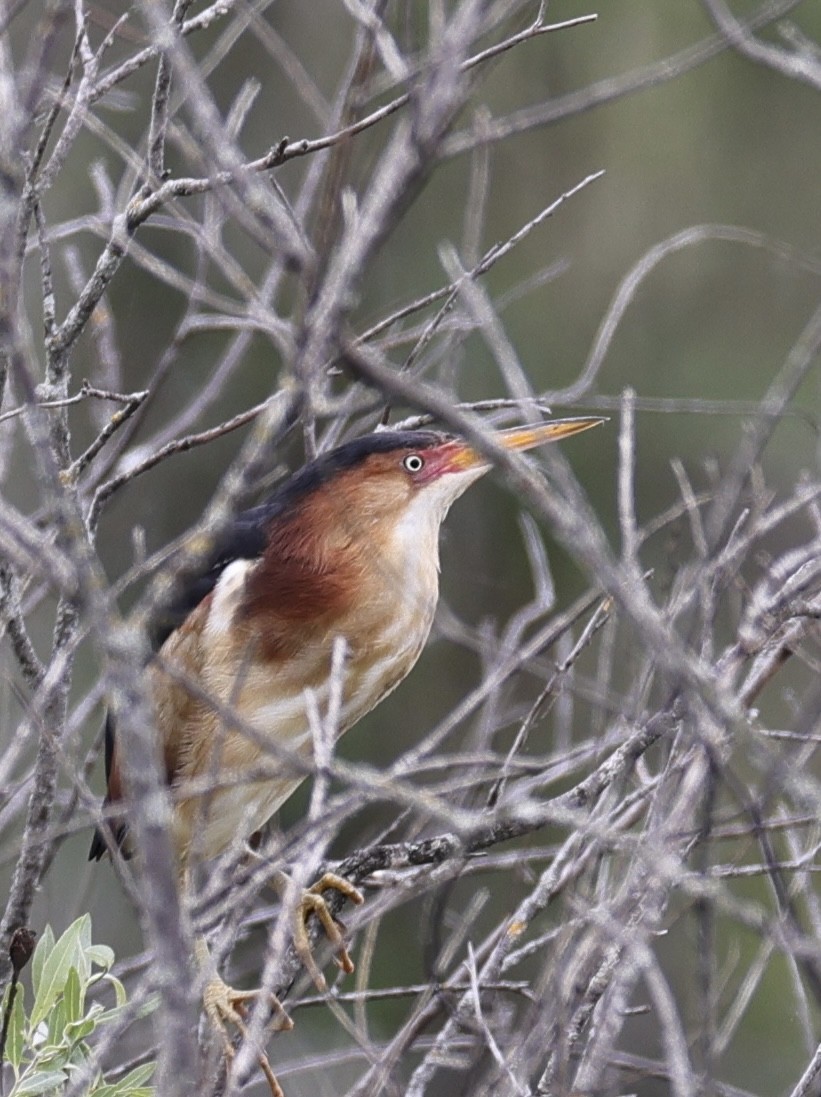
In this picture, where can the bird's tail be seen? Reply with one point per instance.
(109, 836)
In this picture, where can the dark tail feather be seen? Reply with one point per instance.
(98, 846)
(106, 836)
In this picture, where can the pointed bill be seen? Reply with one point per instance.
(463, 456)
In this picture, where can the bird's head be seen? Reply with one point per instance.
(411, 475)
(371, 508)
(395, 486)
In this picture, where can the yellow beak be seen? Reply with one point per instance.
(464, 456)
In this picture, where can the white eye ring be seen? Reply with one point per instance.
(414, 463)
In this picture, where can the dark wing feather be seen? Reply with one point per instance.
(117, 831)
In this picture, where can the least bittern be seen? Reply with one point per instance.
(347, 547)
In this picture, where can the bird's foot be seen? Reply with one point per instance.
(224, 1006)
(313, 902)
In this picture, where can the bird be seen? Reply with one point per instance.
(345, 551)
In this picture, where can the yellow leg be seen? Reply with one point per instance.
(224, 1005)
(312, 902)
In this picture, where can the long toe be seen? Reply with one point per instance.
(313, 902)
(224, 1006)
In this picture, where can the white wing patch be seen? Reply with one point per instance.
(227, 596)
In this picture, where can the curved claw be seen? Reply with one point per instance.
(312, 902)
(224, 1005)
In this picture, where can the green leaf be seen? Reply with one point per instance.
(84, 928)
(119, 990)
(78, 1030)
(151, 1004)
(42, 1082)
(115, 1091)
(73, 997)
(56, 1022)
(53, 1056)
(65, 954)
(101, 956)
(95, 1014)
(41, 954)
(145, 1010)
(132, 1085)
(15, 1036)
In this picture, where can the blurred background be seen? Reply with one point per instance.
(722, 142)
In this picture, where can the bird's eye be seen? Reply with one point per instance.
(414, 463)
